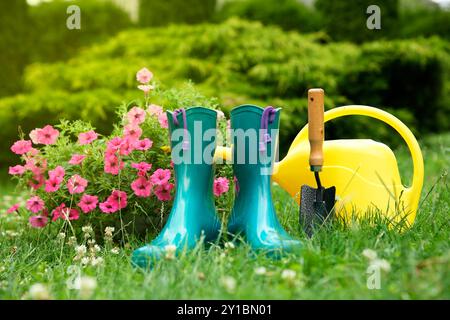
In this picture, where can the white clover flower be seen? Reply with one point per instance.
(38, 291)
(115, 250)
(229, 245)
(97, 248)
(369, 254)
(109, 231)
(80, 250)
(72, 241)
(170, 250)
(85, 261)
(86, 285)
(288, 274)
(87, 229)
(91, 242)
(229, 283)
(260, 271)
(61, 236)
(96, 261)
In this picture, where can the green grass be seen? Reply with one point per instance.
(331, 266)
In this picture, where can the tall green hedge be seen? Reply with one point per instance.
(54, 41)
(163, 12)
(288, 14)
(14, 36)
(346, 20)
(243, 62)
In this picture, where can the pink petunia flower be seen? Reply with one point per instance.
(136, 115)
(163, 192)
(160, 177)
(77, 159)
(35, 204)
(119, 197)
(36, 165)
(132, 132)
(36, 181)
(155, 110)
(58, 172)
(70, 214)
(108, 207)
(87, 137)
(38, 221)
(146, 88)
(53, 184)
(88, 203)
(144, 76)
(142, 187)
(13, 208)
(162, 119)
(142, 166)
(221, 185)
(76, 184)
(57, 212)
(34, 135)
(143, 144)
(127, 146)
(113, 164)
(47, 135)
(114, 144)
(17, 170)
(21, 147)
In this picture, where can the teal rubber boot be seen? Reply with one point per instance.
(253, 215)
(193, 214)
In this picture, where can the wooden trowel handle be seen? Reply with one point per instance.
(315, 128)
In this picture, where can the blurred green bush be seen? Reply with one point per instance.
(288, 14)
(13, 49)
(346, 20)
(242, 62)
(53, 41)
(163, 12)
(39, 34)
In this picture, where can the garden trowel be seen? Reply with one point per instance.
(316, 204)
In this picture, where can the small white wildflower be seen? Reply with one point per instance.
(96, 261)
(369, 254)
(91, 242)
(109, 231)
(260, 271)
(229, 283)
(97, 248)
(87, 229)
(85, 261)
(229, 245)
(80, 252)
(86, 286)
(288, 274)
(38, 291)
(72, 241)
(115, 250)
(61, 236)
(170, 250)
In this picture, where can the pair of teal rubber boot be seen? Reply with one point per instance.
(193, 215)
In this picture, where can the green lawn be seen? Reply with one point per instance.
(332, 266)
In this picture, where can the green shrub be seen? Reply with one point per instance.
(288, 14)
(99, 20)
(13, 50)
(245, 62)
(346, 20)
(163, 12)
(401, 74)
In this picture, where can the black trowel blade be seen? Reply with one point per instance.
(316, 206)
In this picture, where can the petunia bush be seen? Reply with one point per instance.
(77, 177)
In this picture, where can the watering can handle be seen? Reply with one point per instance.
(400, 127)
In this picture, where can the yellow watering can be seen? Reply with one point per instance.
(364, 171)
